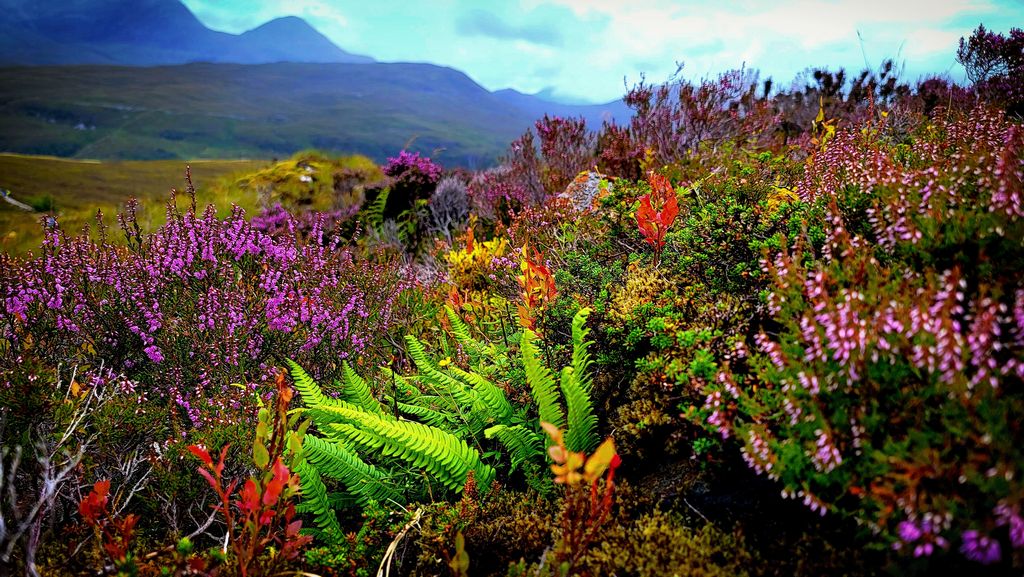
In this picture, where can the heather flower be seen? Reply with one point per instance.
(205, 300)
(980, 548)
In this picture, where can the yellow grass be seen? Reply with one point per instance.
(79, 188)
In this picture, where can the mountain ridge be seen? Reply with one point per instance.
(93, 79)
(148, 33)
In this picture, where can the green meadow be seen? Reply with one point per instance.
(73, 190)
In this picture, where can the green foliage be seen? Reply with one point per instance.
(351, 434)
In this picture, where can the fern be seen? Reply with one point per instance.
(581, 359)
(375, 211)
(581, 431)
(307, 387)
(489, 393)
(357, 392)
(542, 382)
(523, 444)
(316, 501)
(361, 479)
(357, 425)
(581, 434)
(475, 349)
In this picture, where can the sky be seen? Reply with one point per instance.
(590, 50)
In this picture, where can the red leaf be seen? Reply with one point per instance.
(669, 212)
(249, 497)
(223, 458)
(209, 478)
(94, 505)
(201, 454)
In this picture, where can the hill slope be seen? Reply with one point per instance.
(258, 111)
(148, 32)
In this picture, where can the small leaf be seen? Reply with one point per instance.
(599, 462)
(201, 454)
(260, 455)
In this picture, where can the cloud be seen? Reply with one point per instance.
(483, 23)
(585, 48)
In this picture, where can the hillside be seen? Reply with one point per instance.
(75, 190)
(148, 32)
(259, 111)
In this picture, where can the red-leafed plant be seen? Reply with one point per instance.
(538, 284)
(583, 512)
(114, 533)
(262, 530)
(658, 210)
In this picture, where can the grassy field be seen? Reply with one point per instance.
(75, 189)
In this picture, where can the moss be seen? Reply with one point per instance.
(311, 181)
(661, 544)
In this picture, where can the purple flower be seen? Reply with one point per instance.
(980, 548)
(154, 354)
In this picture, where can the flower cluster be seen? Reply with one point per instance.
(413, 169)
(198, 304)
(909, 324)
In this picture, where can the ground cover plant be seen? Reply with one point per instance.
(753, 332)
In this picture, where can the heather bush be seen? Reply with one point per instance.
(889, 390)
(566, 148)
(672, 120)
(199, 304)
(995, 65)
(413, 178)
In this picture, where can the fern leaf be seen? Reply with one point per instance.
(375, 211)
(491, 395)
(541, 381)
(444, 456)
(581, 432)
(316, 502)
(523, 445)
(363, 480)
(357, 392)
(460, 329)
(310, 392)
(582, 362)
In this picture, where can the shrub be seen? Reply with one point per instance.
(890, 390)
(197, 305)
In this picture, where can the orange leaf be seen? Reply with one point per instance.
(201, 454)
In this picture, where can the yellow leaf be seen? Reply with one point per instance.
(599, 462)
(553, 432)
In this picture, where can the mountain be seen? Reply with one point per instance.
(146, 33)
(207, 110)
(292, 39)
(536, 105)
(145, 79)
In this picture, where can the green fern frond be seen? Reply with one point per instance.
(308, 389)
(541, 382)
(375, 211)
(491, 395)
(523, 445)
(581, 359)
(363, 480)
(474, 348)
(443, 455)
(581, 433)
(426, 415)
(357, 392)
(316, 502)
(406, 392)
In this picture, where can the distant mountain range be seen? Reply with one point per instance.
(146, 33)
(146, 79)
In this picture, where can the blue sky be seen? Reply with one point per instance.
(582, 50)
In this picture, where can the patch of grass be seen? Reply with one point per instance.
(76, 189)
